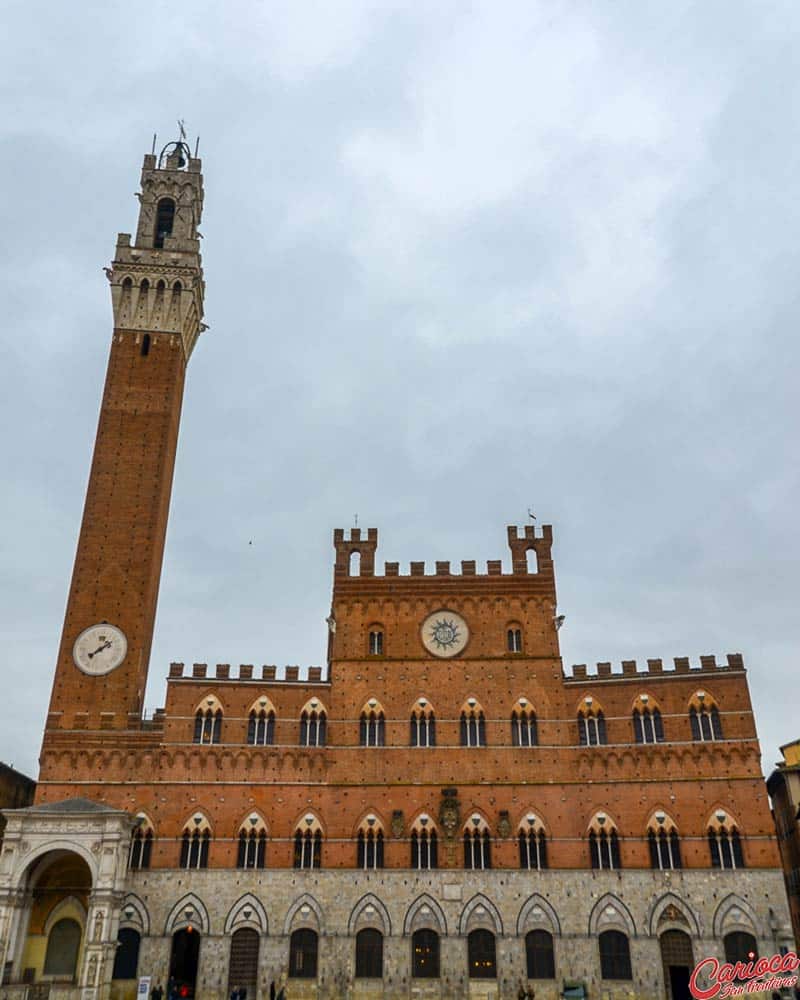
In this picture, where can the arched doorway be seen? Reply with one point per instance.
(183, 962)
(243, 964)
(59, 883)
(677, 959)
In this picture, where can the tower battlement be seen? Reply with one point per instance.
(521, 541)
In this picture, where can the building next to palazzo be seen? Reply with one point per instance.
(443, 811)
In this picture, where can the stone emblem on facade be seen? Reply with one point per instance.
(444, 633)
(450, 812)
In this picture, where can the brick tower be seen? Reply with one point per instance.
(157, 298)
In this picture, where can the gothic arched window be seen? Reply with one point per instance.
(252, 851)
(523, 725)
(194, 843)
(424, 845)
(532, 844)
(308, 843)
(141, 847)
(591, 725)
(313, 725)
(615, 955)
(664, 843)
(261, 723)
(423, 724)
(604, 844)
(648, 726)
(704, 718)
(477, 844)
(481, 954)
(724, 842)
(369, 954)
(208, 721)
(425, 954)
(372, 725)
(370, 845)
(303, 946)
(473, 725)
(539, 956)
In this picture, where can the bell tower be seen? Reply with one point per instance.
(157, 298)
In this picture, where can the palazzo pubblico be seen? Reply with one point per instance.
(444, 811)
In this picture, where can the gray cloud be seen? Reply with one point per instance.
(458, 261)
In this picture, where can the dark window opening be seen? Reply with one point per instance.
(425, 954)
(141, 849)
(145, 350)
(369, 954)
(252, 849)
(165, 217)
(308, 849)
(126, 959)
(539, 955)
(482, 955)
(303, 954)
(615, 955)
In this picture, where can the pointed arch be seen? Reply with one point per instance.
(424, 912)
(304, 912)
(423, 723)
(610, 913)
(177, 919)
(665, 912)
(472, 723)
(535, 913)
(369, 911)
(735, 914)
(372, 724)
(247, 911)
(140, 920)
(480, 912)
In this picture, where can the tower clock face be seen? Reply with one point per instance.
(100, 649)
(444, 633)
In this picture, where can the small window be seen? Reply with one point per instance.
(725, 846)
(141, 848)
(425, 954)
(514, 640)
(423, 725)
(482, 955)
(369, 954)
(604, 850)
(376, 642)
(308, 849)
(665, 849)
(424, 849)
(372, 729)
(592, 729)
(261, 728)
(473, 728)
(145, 349)
(252, 849)
(647, 726)
(705, 724)
(615, 955)
(523, 728)
(194, 848)
(313, 727)
(539, 955)
(165, 218)
(370, 849)
(208, 725)
(532, 848)
(477, 847)
(303, 954)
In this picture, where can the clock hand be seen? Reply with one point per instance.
(100, 649)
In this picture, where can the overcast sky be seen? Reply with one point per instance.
(461, 259)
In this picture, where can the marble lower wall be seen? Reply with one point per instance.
(575, 906)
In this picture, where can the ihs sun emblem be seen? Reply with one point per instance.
(445, 633)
